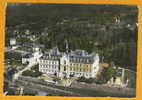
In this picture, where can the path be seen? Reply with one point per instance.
(26, 68)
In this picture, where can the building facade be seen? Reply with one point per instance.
(65, 64)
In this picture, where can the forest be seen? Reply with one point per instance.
(94, 28)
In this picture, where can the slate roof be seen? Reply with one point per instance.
(51, 57)
(28, 55)
(74, 56)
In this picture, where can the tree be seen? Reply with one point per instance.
(31, 73)
(27, 73)
(6, 86)
(109, 72)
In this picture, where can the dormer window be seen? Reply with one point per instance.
(87, 60)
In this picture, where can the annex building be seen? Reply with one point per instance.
(32, 57)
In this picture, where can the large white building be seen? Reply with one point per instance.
(75, 63)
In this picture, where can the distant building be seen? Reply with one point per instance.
(13, 43)
(32, 45)
(120, 79)
(27, 31)
(65, 64)
(117, 20)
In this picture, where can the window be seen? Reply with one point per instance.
(64, 62)
(64, 68)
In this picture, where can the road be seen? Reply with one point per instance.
(76, 89)
(18, 51)
(16, 75)
(49, 89)
(104, 88)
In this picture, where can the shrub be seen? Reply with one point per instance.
(31, 73)
(83, 79)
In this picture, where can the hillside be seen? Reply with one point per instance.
(91, 27)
